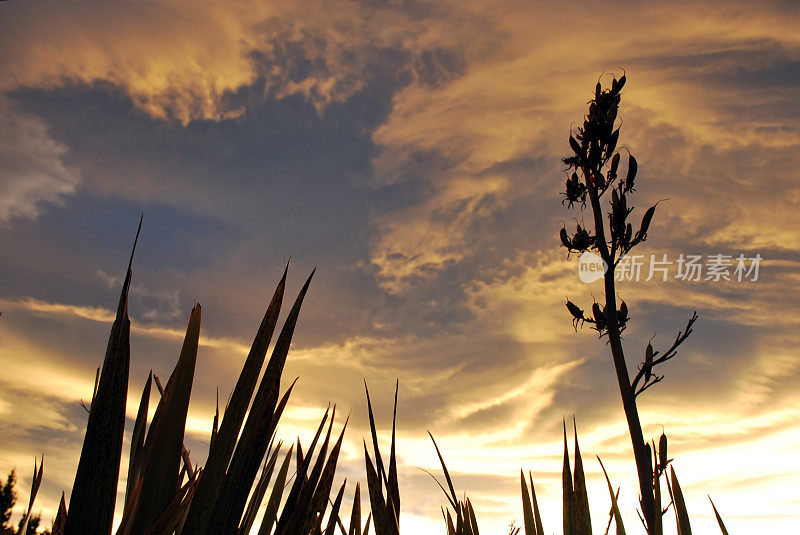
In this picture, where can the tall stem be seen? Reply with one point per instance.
(641, 456)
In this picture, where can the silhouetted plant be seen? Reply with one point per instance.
(594, 172)
(8, 497)
(28, 523)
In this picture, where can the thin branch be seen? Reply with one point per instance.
(668, 354)
(655, 379)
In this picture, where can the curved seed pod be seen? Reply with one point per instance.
(648, 217)
(575, 146)
(617, 85)
(612, 172)
(565, 239)
(577, 314)
(648, 362)
(574, 310)
(612, 143)
(612, 115)
(633, 168)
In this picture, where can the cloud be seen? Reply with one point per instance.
(411, 150)
(33, 172)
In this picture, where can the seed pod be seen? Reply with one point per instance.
(622, 316)
(612, 115)
(575, 146)
(582, 240)
(648, 217)
(574, 310)
(598, 314)
(597, 90)
(617, 85)
(662, 451)
(614, 165)
(577, 314)
(648, 362)
(633, 167)
(565, 239)
(612, 143)
(649, 454)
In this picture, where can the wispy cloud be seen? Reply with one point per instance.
(411, 151)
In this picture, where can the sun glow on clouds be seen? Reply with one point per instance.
(459, 286)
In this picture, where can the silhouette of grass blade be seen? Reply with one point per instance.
(261, 488)
(61, 517)
(94, 491)
(527, 508)
(454, 500)
(681, 515)
(392, 487)
(137, 439)
(291, 516)
(355, 514)
(161, 474)
(719, 518)
(614, 506)
(383, 520)
(271, 512)
(582, 521)
(225, 438)
(330, 528)
(323, 490)
(378, 460)
(170, 518)
(568, 496)
(258, 427)
(536, 516)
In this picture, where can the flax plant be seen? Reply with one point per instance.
(594, 175)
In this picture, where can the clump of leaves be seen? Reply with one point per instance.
(165, 493)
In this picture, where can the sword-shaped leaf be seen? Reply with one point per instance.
(527, 508)
(261, 489)
(568, 495)
(259, 426)
(271, 513)
(137, 439)
(61, 517)
(614, 505)
(35, 483)
(355, 514)
(161, 471)
(582, 521)
(330, 528)
(224, 440)
(719, 518)
(94, 491)
(681, 515)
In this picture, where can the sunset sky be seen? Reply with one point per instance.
(410, 151)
